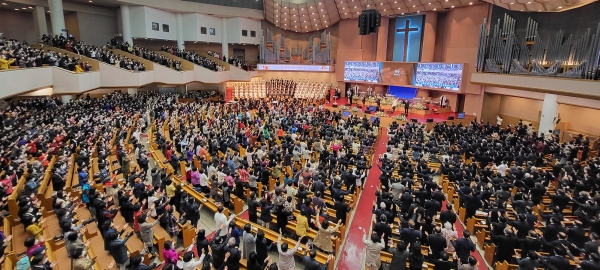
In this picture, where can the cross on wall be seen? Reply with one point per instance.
(406, 30)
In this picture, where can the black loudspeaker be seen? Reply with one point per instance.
(335, 105)
(378, 20)
(450, 117)
(429, 120)
(414, 120)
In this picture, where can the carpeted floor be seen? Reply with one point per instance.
(352, 255)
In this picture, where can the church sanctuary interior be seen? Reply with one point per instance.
(299, 134)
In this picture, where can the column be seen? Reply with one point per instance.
(224, 45)
(429, 32)
(382, 37)
(549, 111)
(66, 98)
(57, 16)
(39, 21)
(132, 91)
(180, 42)
(126, 24)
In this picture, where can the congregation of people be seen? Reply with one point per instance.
(21, 55)
(85, 126)
(194, 58)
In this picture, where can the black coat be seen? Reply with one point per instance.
(448, 216)
(437, 243)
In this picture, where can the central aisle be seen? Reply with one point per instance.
(352, 255)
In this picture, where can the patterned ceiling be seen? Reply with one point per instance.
(314, 15)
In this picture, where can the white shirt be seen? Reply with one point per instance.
(498, 121)
(203, 180)
(221, 219)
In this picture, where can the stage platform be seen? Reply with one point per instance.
(438, 115)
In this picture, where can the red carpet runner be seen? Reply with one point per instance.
(352, 255)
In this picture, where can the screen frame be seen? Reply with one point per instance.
(462, 77)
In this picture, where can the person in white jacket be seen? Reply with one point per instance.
(188, 262)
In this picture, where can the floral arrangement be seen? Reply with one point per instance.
(387, 100)
(354, 109)
(344, 107)
(400, 117)
(357, 97)
(372, 99)
(417, 106)
(381, 114)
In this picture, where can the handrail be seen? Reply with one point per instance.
(149, 64)
(185, 64)
(93, 62)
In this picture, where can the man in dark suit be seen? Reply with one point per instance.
(383, 228)
(529, 261)
(442, 263)
(311, 263)
(431, 208)
(559, 200)
(341, 209)
(381, 211)
(520, 205)
(591, 247)
(521, 225)
(410, 235)
(576, 235)
(552, 230)
(437, 242)
(531, 243)
(464, 246)
(505, 245)
(448, 215)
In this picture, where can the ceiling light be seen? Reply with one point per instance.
(354, 6)
(402, 13)
(343, 8)
(429, 3)
(48, 11)
(434, 9)
(384, 9)
(30, 7)
(399, 8)
(559, 7)
(418, 11)
(90, 1)
(23, 8)
(413, 5)
(528, 2)
(367, 5)
(18, 9)
(395, 2)
(452, 6)
(512, 3)
(521, 10)
(382, 4)
(470, 3)
(4, 4)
